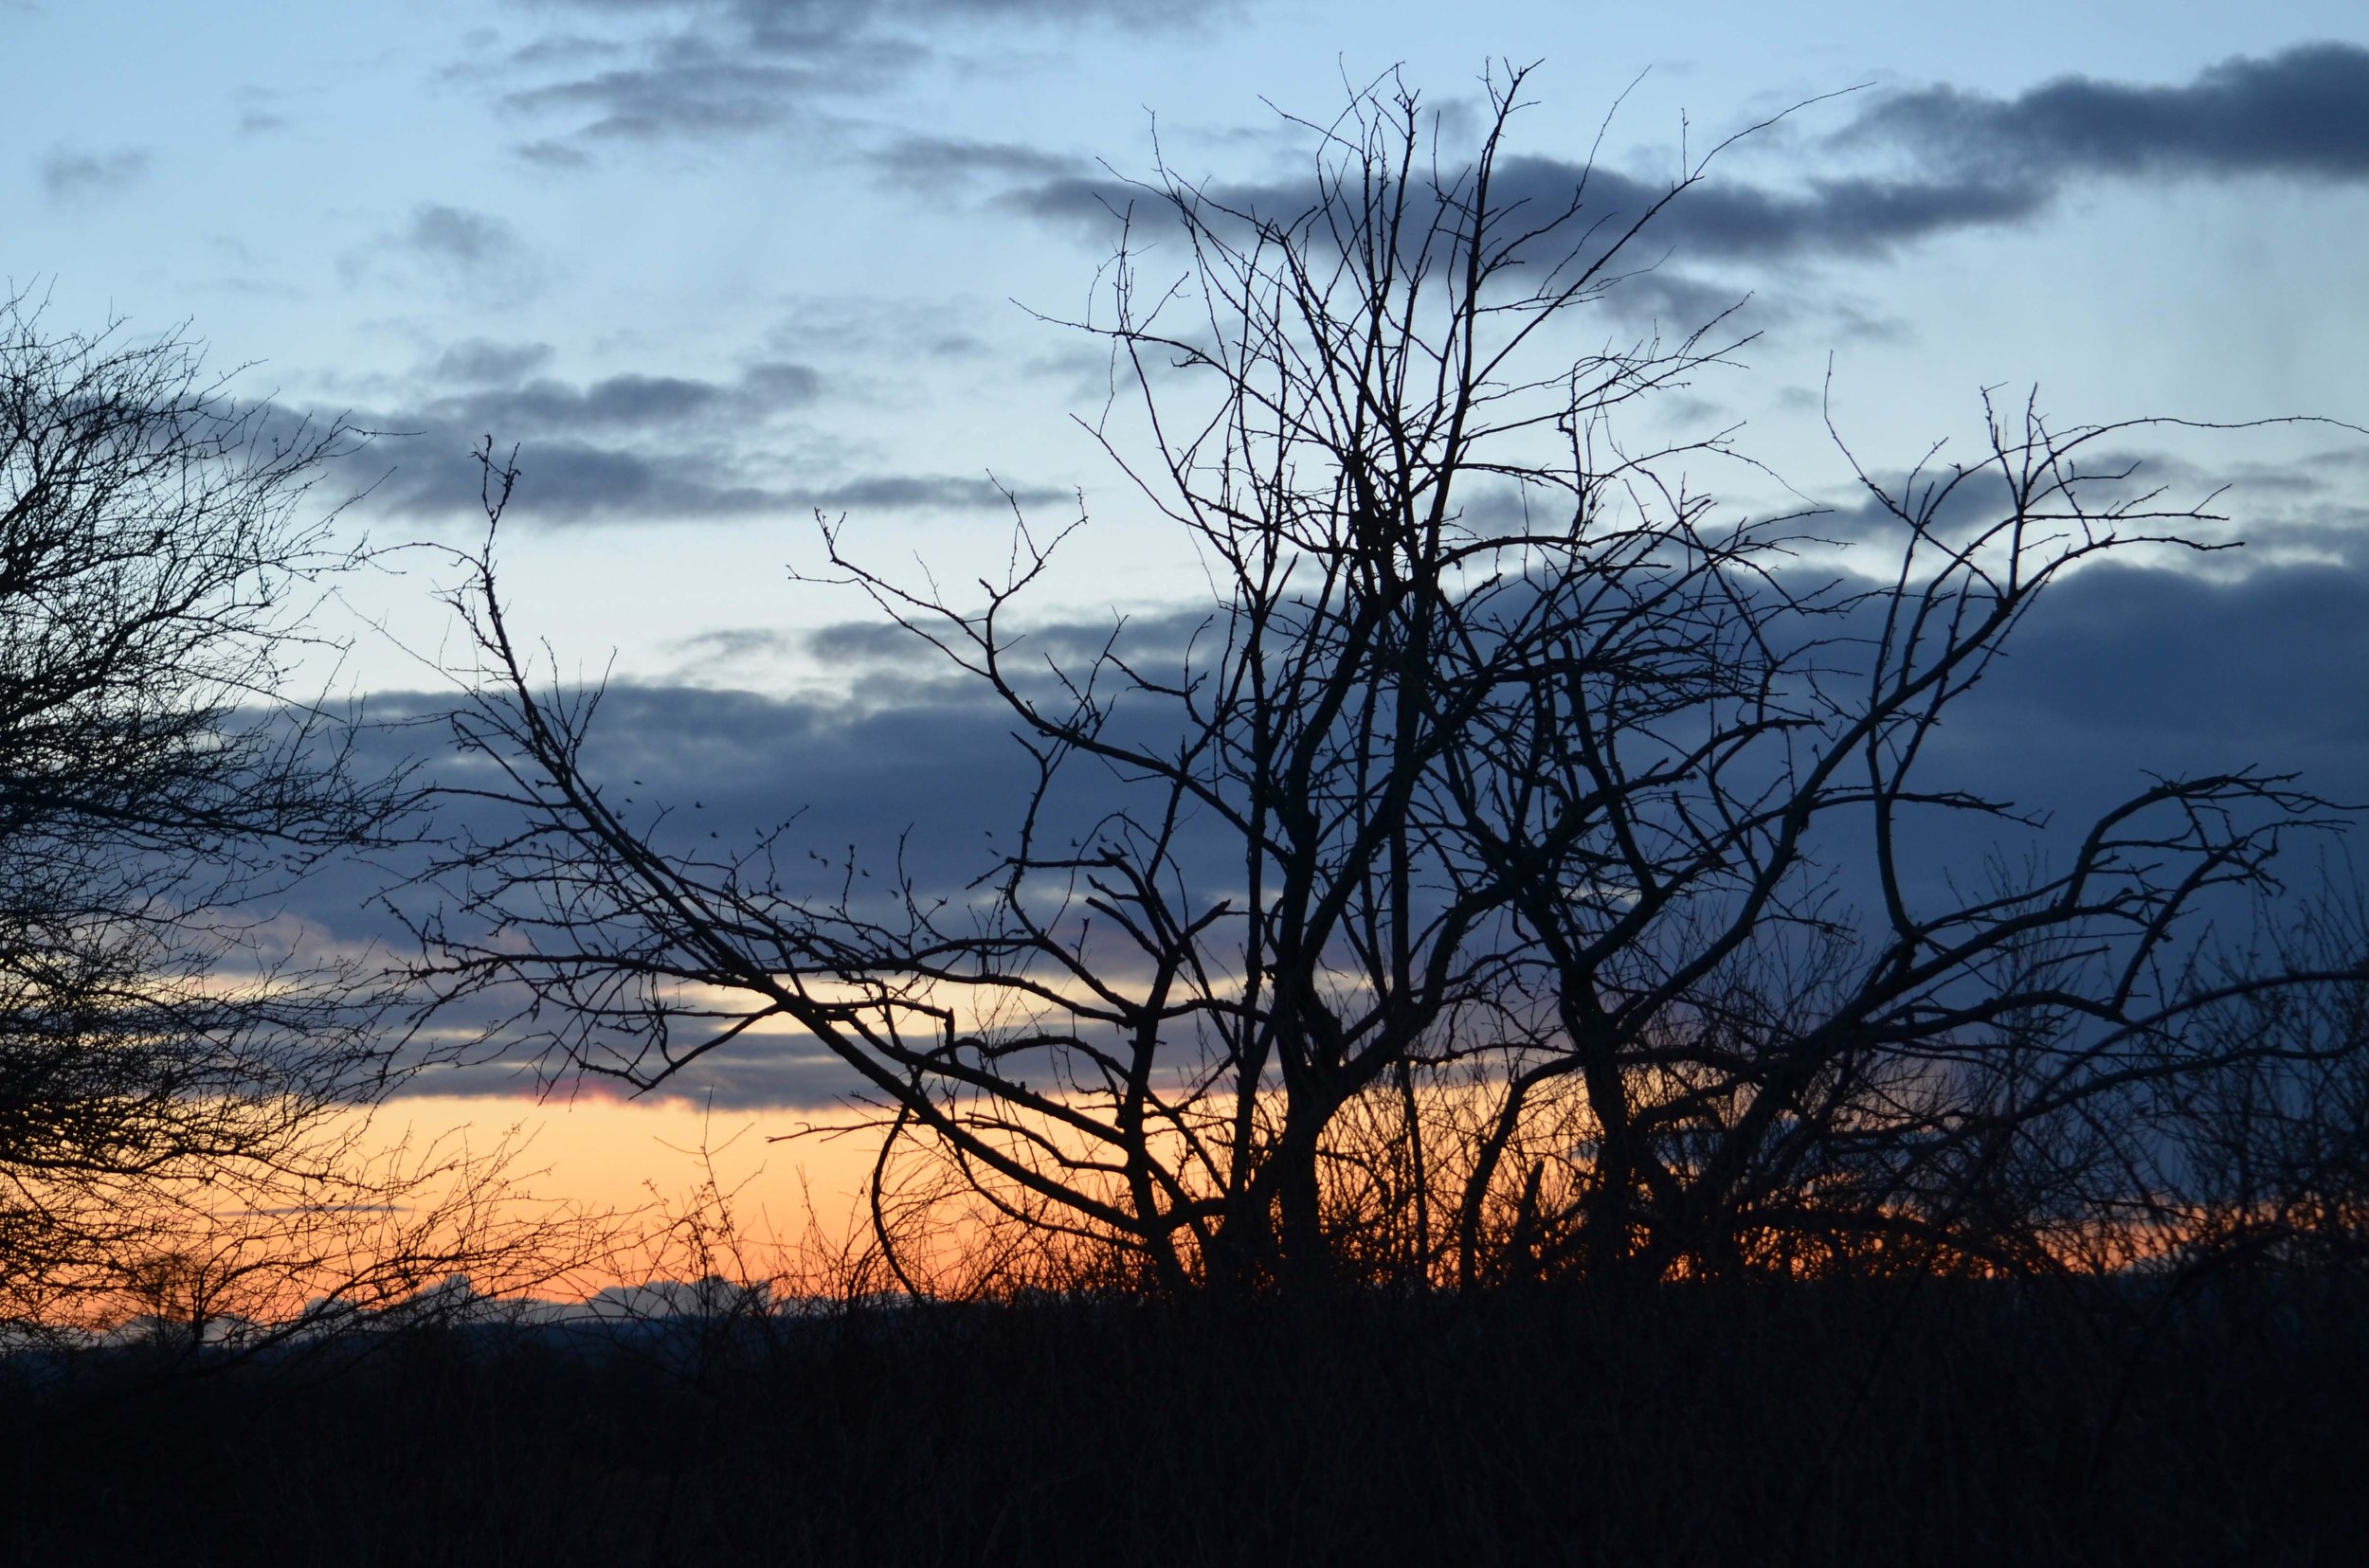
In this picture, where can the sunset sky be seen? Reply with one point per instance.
(714, 266)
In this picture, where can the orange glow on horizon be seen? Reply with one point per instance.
(648, 1161)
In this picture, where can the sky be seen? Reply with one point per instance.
(713, 265)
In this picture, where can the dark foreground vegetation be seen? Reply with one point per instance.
(1952, 1423)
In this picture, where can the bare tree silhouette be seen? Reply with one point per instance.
(1470, 910)
(175, 1061)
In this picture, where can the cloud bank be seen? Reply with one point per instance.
(1961, 161)
(2123, 673)
(709, 68)
(2302, 114)
(624, 449)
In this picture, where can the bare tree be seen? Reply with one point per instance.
(1469, 906)
(2264, 1138)
(171, 1055)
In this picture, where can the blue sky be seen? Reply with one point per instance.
(716, 265)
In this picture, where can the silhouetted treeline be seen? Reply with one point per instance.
(1953, 1423)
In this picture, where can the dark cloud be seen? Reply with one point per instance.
(944, 492)
(433, 474)
(752, 1073)
(703, 68)
(1149, 641)
(480, 360)
(2270, 668)
(1974, 161)
(936, 163)
(779, 23)
(1847, 217)
(1723, 220)
(260, 111)
(552, 155)
(1714, 220)
(778, 384)
(2299, 114)
(73, 173)
(478, 254)
(623, 449)
(626, 448)
(429, 470)
(2121, 677)
(2165, 665)
(1684, 300)
(1085, 200)
(2125, 675)
(2120, 673)
(690, 87)
(2305, 505)
(631, 402)
(458, 237)
(857, 642)
(727, 647)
